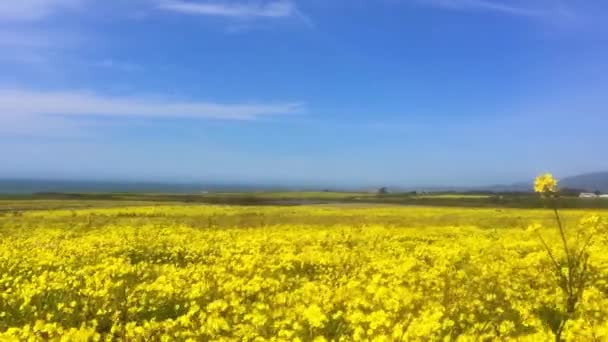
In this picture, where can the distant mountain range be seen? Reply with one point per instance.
(591, 182)
(597, 181)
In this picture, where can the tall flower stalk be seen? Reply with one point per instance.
(572, 269)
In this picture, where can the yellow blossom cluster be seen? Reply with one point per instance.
(545, 184)
(139, 274)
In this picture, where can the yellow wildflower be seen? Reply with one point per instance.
(545, 184)
(314, 316)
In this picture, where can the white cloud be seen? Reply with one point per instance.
(273, 9)
(22, 39)
(31, 10)
(19, 102)
(39, 126)
(44, 50)
(516, 8)
(37, 38)
(117, 65)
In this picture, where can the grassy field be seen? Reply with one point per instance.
(296, 273)
(12, 205)
(291, 198)
(304, 195)
(455, 196)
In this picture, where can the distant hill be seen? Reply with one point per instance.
(597, 181)
(498, 188)
(589, 182)
(517, 187)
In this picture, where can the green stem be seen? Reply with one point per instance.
(555, 263)
(561, 231)
(560, 330)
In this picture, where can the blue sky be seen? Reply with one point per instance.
(400, 92)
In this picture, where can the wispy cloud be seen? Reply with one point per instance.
(117, 65)
(245, 10)
(19, 38)
(18, 102)
(31, 10)
(38, 49)
(23, 39)
(516, 8)
(40, 126)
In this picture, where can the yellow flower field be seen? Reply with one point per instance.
(204, 273)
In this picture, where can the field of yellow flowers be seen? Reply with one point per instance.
(230, 273)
